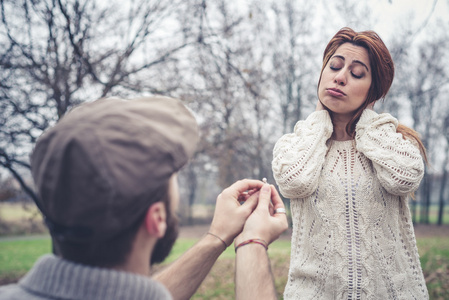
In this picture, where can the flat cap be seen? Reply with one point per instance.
(96, 170)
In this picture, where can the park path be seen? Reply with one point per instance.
(421, 230)
(197, 231)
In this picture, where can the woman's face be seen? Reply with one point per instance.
(345, 80)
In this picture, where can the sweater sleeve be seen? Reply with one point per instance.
(298, 157)
(397, 160)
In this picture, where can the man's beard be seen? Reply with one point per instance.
(165, 244)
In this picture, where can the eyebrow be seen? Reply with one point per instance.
(354, 61)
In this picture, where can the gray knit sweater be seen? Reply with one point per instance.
(54, 278)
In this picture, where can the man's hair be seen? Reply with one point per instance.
(114, 251)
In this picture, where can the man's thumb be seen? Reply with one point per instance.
(264, 197)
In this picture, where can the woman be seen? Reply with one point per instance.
(348, 172)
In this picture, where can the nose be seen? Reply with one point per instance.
(340, 78)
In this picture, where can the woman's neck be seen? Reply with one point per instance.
(339, 132)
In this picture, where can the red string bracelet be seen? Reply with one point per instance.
(252, 241)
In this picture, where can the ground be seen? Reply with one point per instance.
(421, 230)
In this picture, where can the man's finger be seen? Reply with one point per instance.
(241, 186)
(252, 201)
(271, 209)
(264, 196)
(276, 199)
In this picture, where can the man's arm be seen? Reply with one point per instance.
(253, 277)
(183, 277)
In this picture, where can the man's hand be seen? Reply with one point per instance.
(264, 223)
(229, 218)
(230, 215)
(253, 277)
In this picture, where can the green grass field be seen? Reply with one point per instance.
(18, 256)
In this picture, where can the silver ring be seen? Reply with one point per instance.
(280, 211)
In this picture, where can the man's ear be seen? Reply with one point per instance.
(156, 220)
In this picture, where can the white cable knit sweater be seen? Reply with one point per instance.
(352, 236)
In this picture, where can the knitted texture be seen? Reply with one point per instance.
(55, 278)
(352, 232)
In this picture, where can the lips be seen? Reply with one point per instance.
(335, 92)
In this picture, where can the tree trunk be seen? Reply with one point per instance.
(442, 188)
(25, 187)
(425, 200)
(192, 180)
(441, 204)
(413, 204)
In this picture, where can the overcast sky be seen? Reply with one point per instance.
(391, 14)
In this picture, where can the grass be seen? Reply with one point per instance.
(434, 258)
(219, 284)
(18, 256)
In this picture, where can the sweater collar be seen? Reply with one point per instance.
(58, 278)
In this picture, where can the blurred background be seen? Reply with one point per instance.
(247, 69)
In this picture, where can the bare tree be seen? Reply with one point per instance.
(444, 177)
(248, 70)
(8, 188)
(295, 63)
(420, 78)
(219, 87)
(57, 54)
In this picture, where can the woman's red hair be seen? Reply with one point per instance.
(382, 69)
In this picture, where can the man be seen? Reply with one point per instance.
(107, 184)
